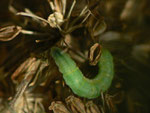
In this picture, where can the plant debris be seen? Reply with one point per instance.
(30, 81)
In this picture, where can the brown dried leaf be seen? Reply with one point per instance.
(10, 32)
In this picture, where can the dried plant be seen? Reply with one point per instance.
(30, 81)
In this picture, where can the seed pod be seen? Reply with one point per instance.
(75, 104)
(92, 108)
(94, 54)
(10, 32)
(58, 107)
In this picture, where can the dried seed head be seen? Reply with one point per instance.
(75, 104)
(58, 107)
(55, 19)
(92, 108)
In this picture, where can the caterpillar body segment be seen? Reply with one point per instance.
(74, 78)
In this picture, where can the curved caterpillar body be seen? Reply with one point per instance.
(80, 85)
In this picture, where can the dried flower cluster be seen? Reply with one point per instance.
(29, 79)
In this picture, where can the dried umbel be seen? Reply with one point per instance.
(61, 21)
(59, 16)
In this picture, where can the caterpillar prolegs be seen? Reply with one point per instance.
(80, 85)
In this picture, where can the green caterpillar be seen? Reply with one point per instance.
(80, 85)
